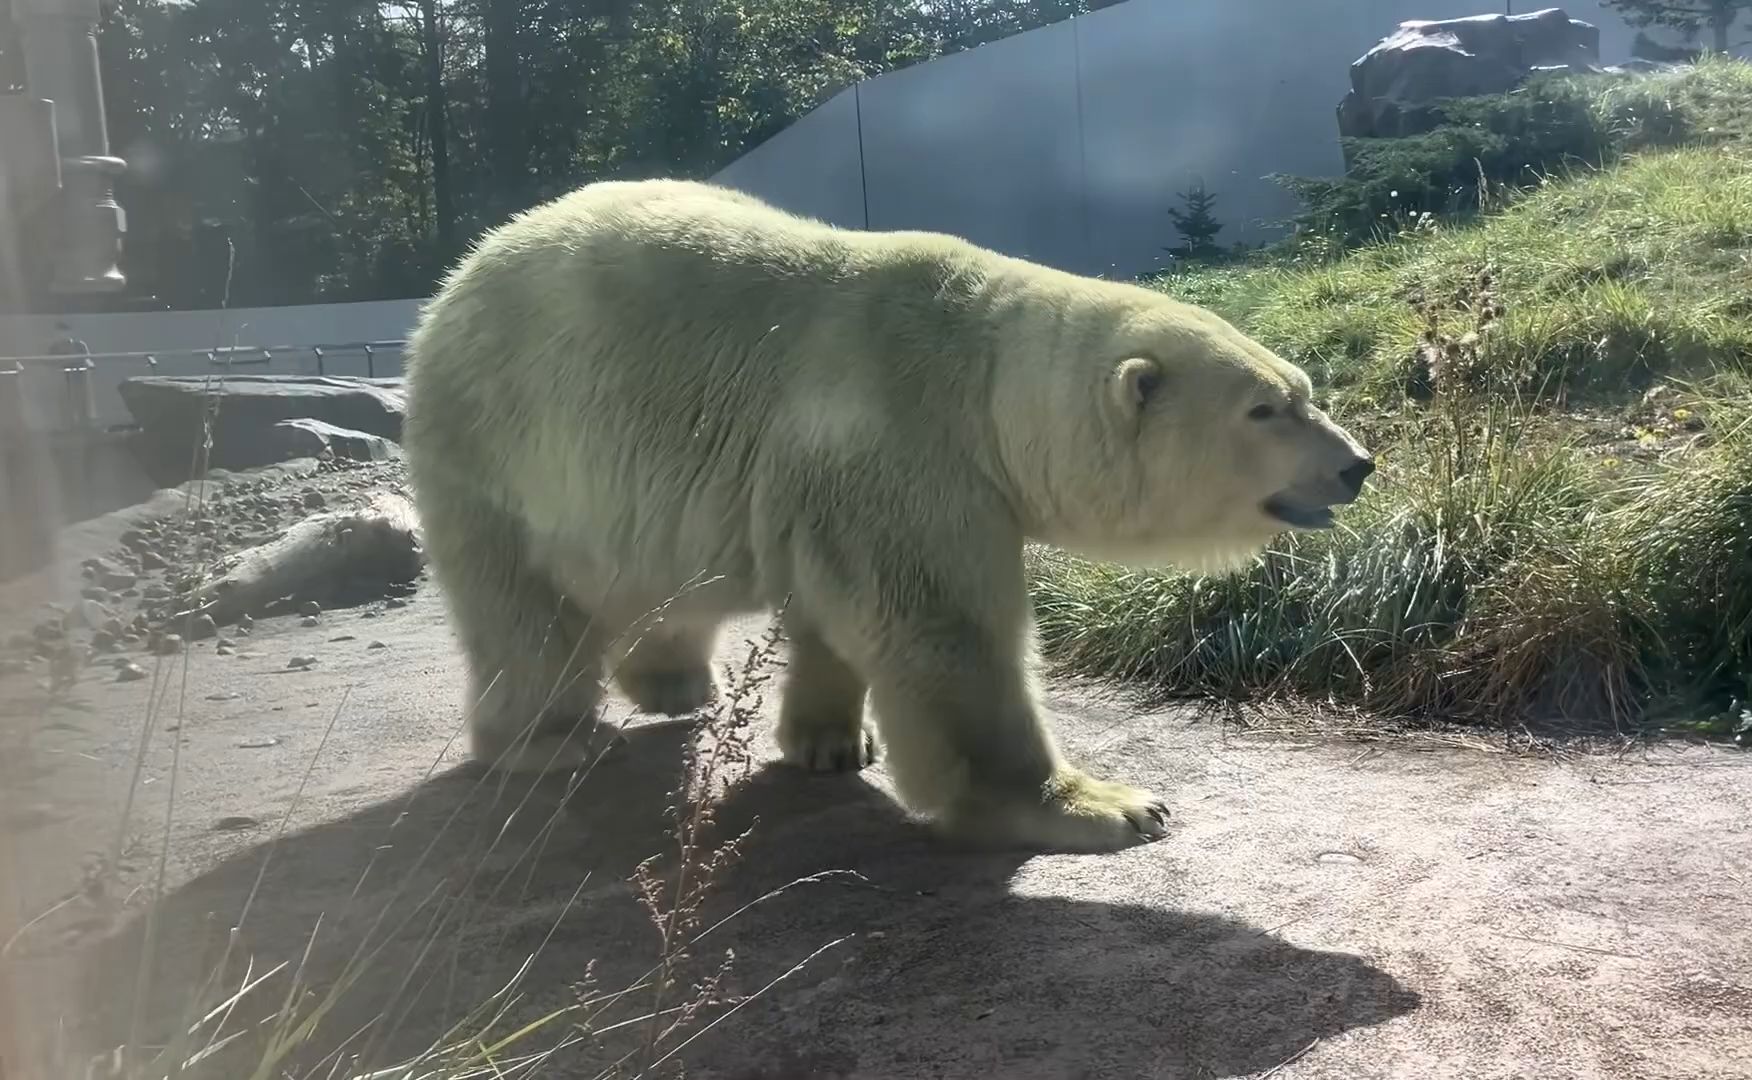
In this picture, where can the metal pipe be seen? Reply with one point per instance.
(59, 46)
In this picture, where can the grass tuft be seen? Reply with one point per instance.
(1560, 532)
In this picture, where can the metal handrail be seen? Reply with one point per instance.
(55, 359)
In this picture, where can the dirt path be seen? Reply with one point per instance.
(1319, 910)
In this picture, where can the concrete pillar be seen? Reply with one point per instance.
(59, 43)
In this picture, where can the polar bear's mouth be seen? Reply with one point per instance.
(1298, 515)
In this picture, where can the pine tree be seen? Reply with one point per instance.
(1198, 226)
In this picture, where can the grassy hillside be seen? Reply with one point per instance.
(1559, 392)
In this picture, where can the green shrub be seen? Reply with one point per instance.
(1486, 148)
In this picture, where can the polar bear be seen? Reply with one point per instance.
(665, 396)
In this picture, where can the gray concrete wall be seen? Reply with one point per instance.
(1070, 143)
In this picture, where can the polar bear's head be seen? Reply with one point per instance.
(1204, 444)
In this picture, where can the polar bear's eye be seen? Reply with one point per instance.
(1261, 412)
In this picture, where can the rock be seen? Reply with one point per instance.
(308, 437)
(89, 614)
(246, 432)
(130, 672)
(377, 645)
(151, 560)
(1396, 84)
(169, 645)
(203, 627)
(103, 641)
(344, 558)
(155, 592)
(224, 648)
(117, 580)
(95, 592)
(299, 663)
(309, 620)
(245, 623)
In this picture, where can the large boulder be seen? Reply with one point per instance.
(248, 409)
(1395, 84)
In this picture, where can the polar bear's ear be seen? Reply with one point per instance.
(1135, 382)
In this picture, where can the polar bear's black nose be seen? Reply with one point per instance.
(1354, 476)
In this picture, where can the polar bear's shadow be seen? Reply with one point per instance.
(944, 970)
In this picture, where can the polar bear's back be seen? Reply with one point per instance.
(622, 368)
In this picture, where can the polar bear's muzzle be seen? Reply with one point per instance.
(1308, 503)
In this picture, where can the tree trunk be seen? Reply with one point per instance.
(507, 136)
(437, 124)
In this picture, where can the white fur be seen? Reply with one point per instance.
(642, 385)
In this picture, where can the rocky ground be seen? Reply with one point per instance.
(1320, 910)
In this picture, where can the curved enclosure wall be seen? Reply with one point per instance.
(1070, 143)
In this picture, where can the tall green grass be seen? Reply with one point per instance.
(1497, 572)
(1549, 539)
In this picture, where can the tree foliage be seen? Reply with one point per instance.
(1689, 17)
(287, 151)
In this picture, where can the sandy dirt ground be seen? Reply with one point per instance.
(1320, 909)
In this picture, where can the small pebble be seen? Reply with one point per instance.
(224, 695)
(235, 823)
(341, 637)
(223, 649)
(130, 672)
(301, 662)
(259, 744)
(377, 645)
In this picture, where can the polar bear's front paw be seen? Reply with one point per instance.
(831, 749)
(1077, 813)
